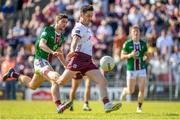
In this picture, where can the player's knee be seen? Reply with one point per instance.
(54, 76)
(141, 91)
(131, 90)
(54, 83)
(61, 82)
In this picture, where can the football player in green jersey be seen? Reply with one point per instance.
(48, 44)
(135, 52)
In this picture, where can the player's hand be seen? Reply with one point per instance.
(133, 53)
(70, 55)
(57, 53)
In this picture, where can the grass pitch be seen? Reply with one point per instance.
(46, 110)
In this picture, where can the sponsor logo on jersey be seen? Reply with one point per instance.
(44, 34)
(74, 66)
(131, 47)
(77, 31)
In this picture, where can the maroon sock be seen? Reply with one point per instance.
(15, 75)
(58, 102)
(139, 105)
(105, 100)
(86, 102)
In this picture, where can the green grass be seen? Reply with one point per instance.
(46, 110)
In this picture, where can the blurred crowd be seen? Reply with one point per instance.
(21, 22)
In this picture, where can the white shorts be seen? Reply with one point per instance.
(137, 73)
(41, 65)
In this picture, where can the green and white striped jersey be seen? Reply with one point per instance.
(135, 63)
(53, 41)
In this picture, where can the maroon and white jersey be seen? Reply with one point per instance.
(84, 45)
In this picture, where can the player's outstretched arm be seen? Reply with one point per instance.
(74, 42)
(44, 47)
(61, 58)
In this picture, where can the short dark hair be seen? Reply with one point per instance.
(135, 27)
(61, 16)
(86, 8)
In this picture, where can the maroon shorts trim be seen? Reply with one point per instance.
(81, 62)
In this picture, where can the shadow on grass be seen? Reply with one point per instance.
(172, 114)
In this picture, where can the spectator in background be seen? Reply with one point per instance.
(152, 29)
(174, 27)
(104, 32)
(134, 17)
(2, 22)
(13, 41)
(20, 9)
(165, 43)
(18, 30)
(2, 47)
(77, 5)
(170, 7)
(27, 6)
(33, 25)
(98, 47)
(126, 24)
(119, 39)
(39, 15)
(39, 29)
(175, 62)
(10, 85)
(113, 18)
(8, 11)
(175, 13)
(151, 48)
(50, 11)
(152, 32)
(98, 16)
(104, 36)
(61, 6)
